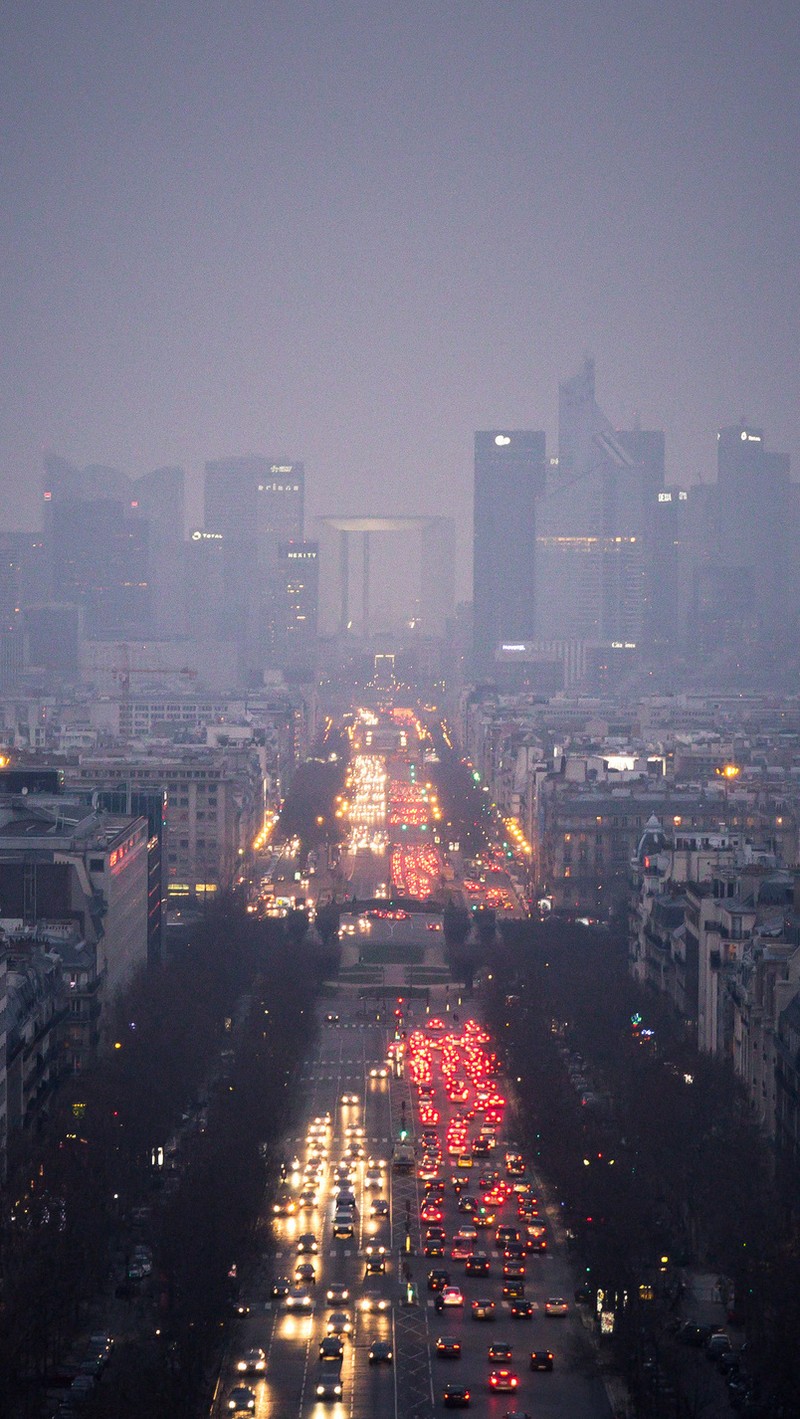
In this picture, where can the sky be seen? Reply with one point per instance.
(354, 233)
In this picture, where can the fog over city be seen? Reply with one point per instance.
(399, 709)
(357, 232)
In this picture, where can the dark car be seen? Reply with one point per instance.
(500, 1352)
(438, 1279)
(513, 1289)
(380, 1353)
(477, 1264)
(541, 1359)
(448, 1347)
(521, 1309)
(456, 1397)
(693, 1334)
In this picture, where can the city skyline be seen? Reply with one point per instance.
(365, 238)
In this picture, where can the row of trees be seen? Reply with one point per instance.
(665, 1160)
(229, 991)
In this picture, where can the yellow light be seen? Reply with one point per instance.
(729, 771)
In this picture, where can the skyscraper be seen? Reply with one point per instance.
(113, 546)
(757, 521)
(255, 501)
(509, 479)
(298, 596)
(596, 522)
(257, 504)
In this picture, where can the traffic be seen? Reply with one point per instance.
(412, 1266)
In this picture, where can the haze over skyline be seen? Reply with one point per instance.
(357, 233)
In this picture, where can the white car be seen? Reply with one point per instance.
(299, 1299)
(373, 1177)
(241, 1400)
(452, 1296)
(252, 1362)
(556, 1306)
(339, 1323)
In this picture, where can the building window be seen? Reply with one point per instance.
(96, 864)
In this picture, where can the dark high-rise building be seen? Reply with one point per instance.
(509, 479)
(256, 501)
(596, 522)
(757, 522)
(257, 504)
(112, 546)
(297, 608)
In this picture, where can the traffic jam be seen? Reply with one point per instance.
(482, 1232)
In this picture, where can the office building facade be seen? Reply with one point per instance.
(509, 482)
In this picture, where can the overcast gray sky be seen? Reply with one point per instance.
(356, 232)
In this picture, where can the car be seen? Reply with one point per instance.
(379, 1072)
(477, 1264)
(522, 1309)
(308, 1200)
(279, 1289)
(343, 1226)
(331, 1348)
(506, 1234)
(380, 1353)
(298, 1298)
(373, 1177)
(373, 1301)
(461, 1251)
(349, 1099)
(241, 1400)
(328, 1386)
(556, 1306)
(438, 1279)
(307, 1244)
(252, 1362)
(514, 1268)
(466, 1234)
(499, 1352)
(430, 1212)
(102, 1343)
(305, 1273)
(483, 1309)
(284, 1206)
(376, 1266)
(456, 1397)
(452, 1296)
(435, 1233)
(541, 1359)
(339, 1324)
(503, 1380)
(513, 1288)
(718, 1344)
(433, 1248)
(379, 1207)
(337, 1293)
(448, 1347)
(331, 1018)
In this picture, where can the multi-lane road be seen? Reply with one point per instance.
(330, 1132)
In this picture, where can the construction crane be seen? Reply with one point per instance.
(123, 672)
